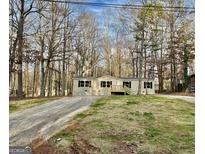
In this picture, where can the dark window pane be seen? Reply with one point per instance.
(103, 84)
(109, 83)
(127, 84)
(87, 83)
(82, 83)
(148, 85)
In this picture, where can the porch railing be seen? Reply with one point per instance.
(120, 88)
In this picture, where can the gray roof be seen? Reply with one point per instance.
(125, 78)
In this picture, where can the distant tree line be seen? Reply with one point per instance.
(52, 42)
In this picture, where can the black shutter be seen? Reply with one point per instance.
(145, 84)
(151, 85)
(78, 83)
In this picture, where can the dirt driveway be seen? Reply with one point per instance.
(44, 120)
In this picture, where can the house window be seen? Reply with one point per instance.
(84, 83)
(81, 83)
(127, 84)
(109, 83)
(103, 83)
(106, 83)
(87, 83)
(147, 85)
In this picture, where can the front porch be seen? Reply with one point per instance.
(120, 90)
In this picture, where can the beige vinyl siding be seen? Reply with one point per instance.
(96, 88)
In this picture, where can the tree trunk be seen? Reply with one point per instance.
(26, 77)
(145, 63)
(186, 79)
(141, 58)
(64, 51)
(137, 66)
(42, 89)
(120, 63)
(174, 71)
(12, 47)
(12, 59)
(161, 72)
(133, 64)
(56, 84)
(37, 85)
(34, 79)
(50, 82)
(59, 79)
(50, 52)
(20, 51)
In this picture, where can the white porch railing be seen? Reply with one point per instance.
(120, 88)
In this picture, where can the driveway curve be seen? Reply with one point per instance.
(44, 120)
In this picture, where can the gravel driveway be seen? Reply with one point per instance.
(44, 120)
(186, 98)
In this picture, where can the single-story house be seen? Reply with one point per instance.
(108, 85)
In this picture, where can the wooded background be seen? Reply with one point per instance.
(51, 42)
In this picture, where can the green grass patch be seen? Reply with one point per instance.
(155, 124)
(80, 115)
(12, 107)
(27, 103)
(98, 103)
(136, 113)
(98, 124)
(65, 135)
(148, 115)
(152, 132)
(132, 102)
(112, 138)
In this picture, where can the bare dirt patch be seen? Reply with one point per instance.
(82, 145)
(47, 148)
(122, 147)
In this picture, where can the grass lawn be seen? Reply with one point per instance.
(17, 105)
(129, 124)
